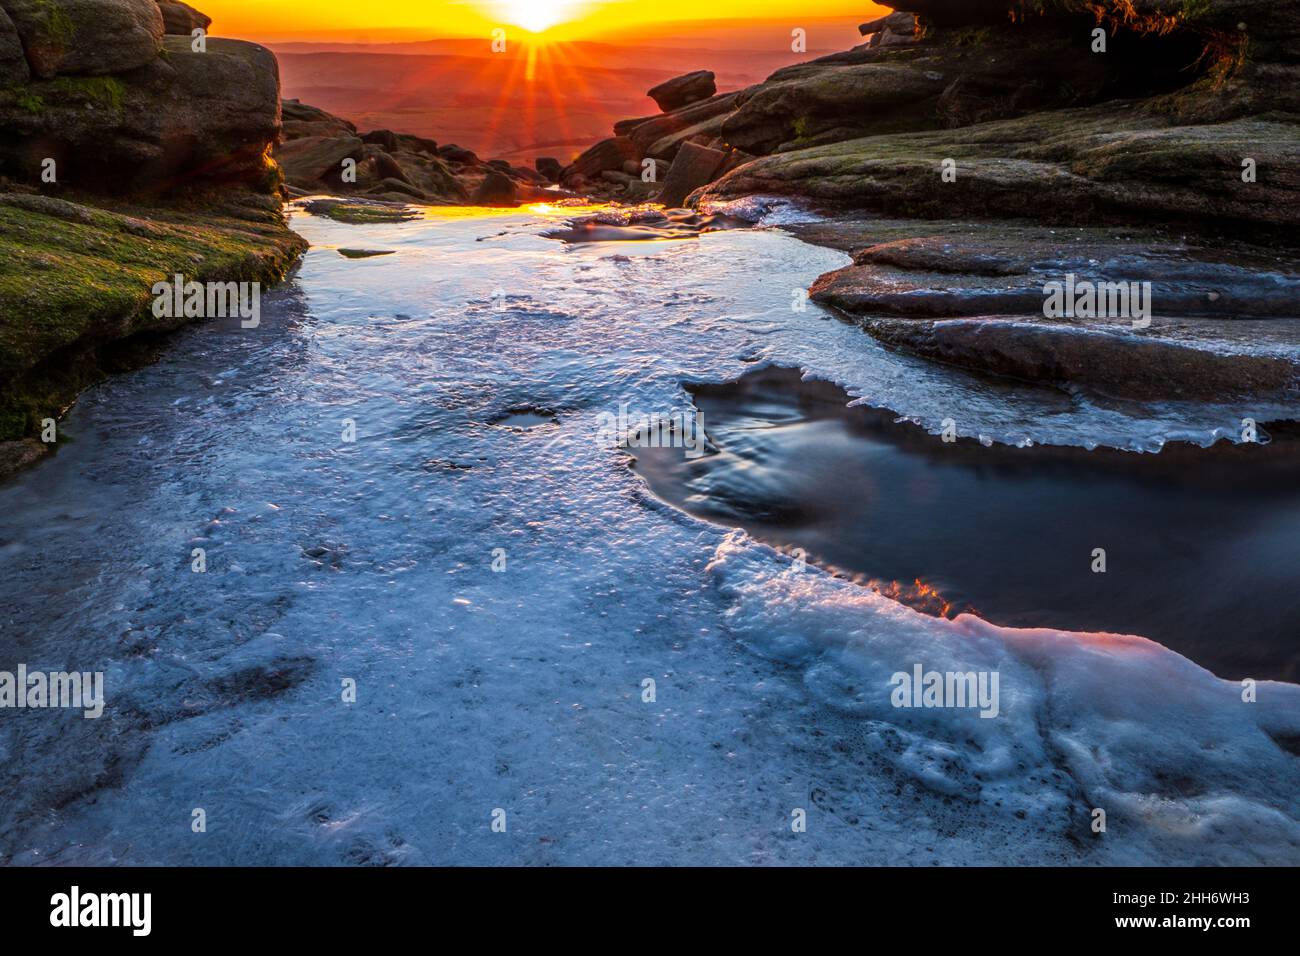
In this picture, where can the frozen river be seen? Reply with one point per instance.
(498, 584)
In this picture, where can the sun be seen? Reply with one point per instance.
(535, 16)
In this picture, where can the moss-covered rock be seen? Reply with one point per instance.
(182, 118)
(86, 36)
(1066, 166)
(76, 280)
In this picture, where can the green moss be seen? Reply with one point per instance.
(364, 253)
(106, 91)
(58, 25)
(360, 214)
(75, 281)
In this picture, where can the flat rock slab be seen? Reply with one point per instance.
(1186, 289)
(360, 211)
(1111, 362)
(642, 224)
(948, 270)
(1224, 323)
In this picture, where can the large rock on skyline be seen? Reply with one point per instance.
(683, 90)
(180, 19)
(97, 87)
(86, 37)
(182, 118)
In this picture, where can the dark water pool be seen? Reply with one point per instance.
(1202, 546)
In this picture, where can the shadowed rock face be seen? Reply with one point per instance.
(695, 166)
(497, 189)
(96, 86)
(13, 62)
(310, 158)
(658, 129)
(95, 37)
(181, 19)
(323, 153)
(178, 119)
(607, 154)
(683, 90)
(951, 77)
(1203, 15)
(1029, 118)
(1119, 365)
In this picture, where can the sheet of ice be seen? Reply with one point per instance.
(1185, 769)
(372, 560)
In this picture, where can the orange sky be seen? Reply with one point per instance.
(390, 20)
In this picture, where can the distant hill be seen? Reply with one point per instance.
(549, 100)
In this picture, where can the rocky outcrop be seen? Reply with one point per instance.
(13, 61)
(683, 90)
(607, 154)
(93, 37)
(496, 189)
(96, 100)
(183, 118)
(654, 133)
(300, 119)
(1068, 167)
(1109, 363)
(1155, 315)
(180, 19)
(323, 153)
(639, 160)
(1204, 15)
(1020, 116)
(118, 107)
(1153, 166)
(896, 29)
(75, 289)
(992, 108)
(311, 159)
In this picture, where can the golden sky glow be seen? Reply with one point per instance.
(380, 20)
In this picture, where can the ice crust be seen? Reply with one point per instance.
(522, 690)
